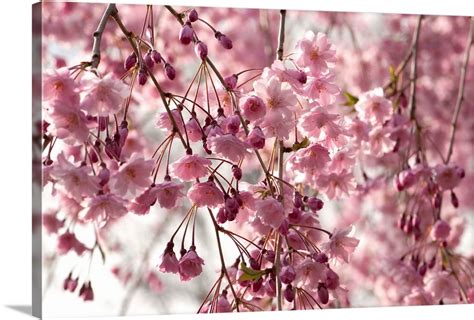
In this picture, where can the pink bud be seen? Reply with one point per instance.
(156, 56)
(233, 124)
(130, 61)
(186, 34)
(223, 40)
(237, 172)
(287, 274)
(315, 204)
(289, 293)
(148, 60)
(437, 200)
(454, 200)
(256, 138)
(201, 50)
(321, 258)
(298, 200)
(231, 81)
(104, 175)
(86, 292)
(142, 77)
(222, 215)
(440, 231)
(284, 227)
(170, 72)
(332, 280)
(323, 294)
(193, 15)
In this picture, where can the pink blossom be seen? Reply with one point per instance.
(168, 193)
(193, 130)
(287, 274)
(190, 167)
(169, 263)
(154, 282)
(256, 138)
(448, 176)
(309, 273)
(104, 207)
(359, 130)
(190, 265)
(68, 123)
(275, 94)
(440, 231)
(104, 96)
(313, 157)
(270, 212)
(443, 286)
(418, 297)
(58, 85)
(379, 142)
(228, 146)
(340, 245)
(164, 122)
(132, 177)
(253, 108)
(51, 223)
(277, 123)
(373, 107)
(315, 52)
(320, 126)
(74, 181)
(336, 184)
(67, 242)
(322, 89)
(206, 194)
(223, 304)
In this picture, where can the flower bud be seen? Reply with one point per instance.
(440, 231)
(170, 72)
(454, 200)
(237, 172)
(223, 40)
(201, 50)
(315, 204)
(287, 274)
(321, 258)
(86, 292)
(142, 77)
(323, 294)
(130, 61)
(332, 280)
(193, 15)
(148, 60)
(186, 34)
(437, 200)
(222, 215)
(256, 138)
(156, 56)
(289, 293)
(231, 81)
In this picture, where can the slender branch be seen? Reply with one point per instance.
(414, 71)
(163, 96)
(460, 98)
(110, 10)
(277, 264)
(407, 56)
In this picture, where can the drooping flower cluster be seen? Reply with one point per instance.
(262, 155)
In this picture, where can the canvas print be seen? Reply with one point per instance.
(208, 160)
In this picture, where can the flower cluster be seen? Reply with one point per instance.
(263, 154)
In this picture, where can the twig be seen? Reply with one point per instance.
(110, 10)
(407, 57)
(460, 98)
(277, 264)
(413, 72)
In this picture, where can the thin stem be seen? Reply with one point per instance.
(413, 72)
(110, 10)
(277, 264)
(460, 98)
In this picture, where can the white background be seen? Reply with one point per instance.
(15, 146)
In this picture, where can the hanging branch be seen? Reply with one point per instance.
(460, 98)
(279, 55)
(109, 11)
(413, 72)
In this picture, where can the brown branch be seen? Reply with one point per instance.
(277, 263)
(407, 56)
(414, 71)
(460, 98)
(109, 11)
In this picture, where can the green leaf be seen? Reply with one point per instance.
(351, 100)
(249, 274)
(300, 145)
